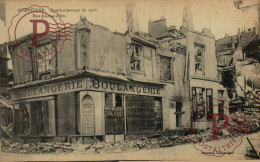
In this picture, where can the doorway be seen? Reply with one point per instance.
(178, 114)
(114, 114)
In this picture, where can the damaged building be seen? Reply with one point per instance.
(6, 107)
(111, 85)
(238, 66)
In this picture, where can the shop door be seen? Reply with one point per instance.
(114, 114)
(88, 116)
(158, 114)
(178, 113)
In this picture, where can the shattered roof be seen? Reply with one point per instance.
(145, 37)
(242, 40)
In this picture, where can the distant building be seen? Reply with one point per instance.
(3, 70)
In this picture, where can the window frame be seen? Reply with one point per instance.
(46, 68)
(209, 104)
(171, 69)
(141, 54)
(202, 62)
(205, 104)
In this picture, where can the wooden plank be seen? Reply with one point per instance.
(39, 117)
(78, 118)
(72, 109)
(60, 115)
(65, 114)
(33, 118)
(45, 118)
(124, 104)
(51, 114)
(17, 122)
(253, 148)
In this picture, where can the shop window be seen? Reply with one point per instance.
(108, 99)
(44, 55)
(143, 113)
(221, 104)
(165, 68)
(199, 59)
(202, 101)
(135, 57)
(119, 102)
(209, 95)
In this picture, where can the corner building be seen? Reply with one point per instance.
(109, 85)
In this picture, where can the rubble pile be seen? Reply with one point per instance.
(242, 124)
(138, 144)
(39, 148)
(141, 143)
(146, 142)
(100, 147)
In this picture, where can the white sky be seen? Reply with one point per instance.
(220, 16)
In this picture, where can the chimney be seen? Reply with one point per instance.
(238, 31)
(131, 18)
(157, 27)
(187, 22)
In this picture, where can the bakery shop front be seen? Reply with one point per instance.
(87, 107)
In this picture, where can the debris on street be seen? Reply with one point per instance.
(165, 139)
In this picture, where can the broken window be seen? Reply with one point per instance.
(228, 79)
(135, 58)
(165, 68)
(24, 114)
(108, 99)
(83, 34)
(144, 114)
(119, 102)
(202, 101)
(44, 55)
(209, 103)
(199, 59)
(114, 114)
(221, 104)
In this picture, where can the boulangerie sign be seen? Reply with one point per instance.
(49, 89)
(123, 87)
